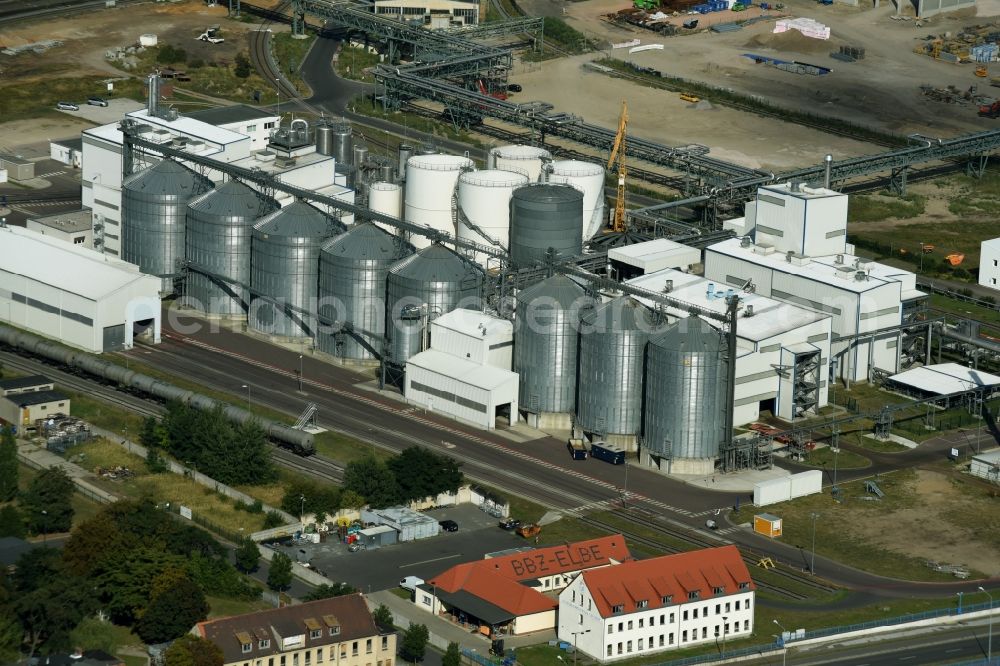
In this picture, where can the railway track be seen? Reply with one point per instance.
(16, 11)
(260, 55)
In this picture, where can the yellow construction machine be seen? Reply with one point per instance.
(618, 155)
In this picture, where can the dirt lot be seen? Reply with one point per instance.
(880, 91)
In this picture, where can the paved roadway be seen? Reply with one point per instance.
(539, 470)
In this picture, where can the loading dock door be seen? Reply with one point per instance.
(114, 338)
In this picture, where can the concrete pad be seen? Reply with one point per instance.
(103, 115)
(737, 482)
(908, 443)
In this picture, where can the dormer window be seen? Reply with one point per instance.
(246, 647)
(693, 595)
(246, 641)
(316, 633)
(641, 604)
(620, 608)
(667, 599)
(744, 586)
(719, 590)
(335, 631)
(264, 643)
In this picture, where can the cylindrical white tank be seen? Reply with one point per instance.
(484, 205)
(430, 189)
(520, 159)
(589, 179)
(386, 198)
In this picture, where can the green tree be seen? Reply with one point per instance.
(242, 69)
(151, 436)
(327, 591)
(373, 480)
(173, 612)
(11, 522)
(247, 555)
(414, 642)
(10, 636)
(351, 500)
(452, 656)
(319, 498)
(191, 650)
(155, 461)
(95, 634)
(273, 519)
(46, 503)
(8, 464)
(383, 617)
(422, 473)
(279, 576)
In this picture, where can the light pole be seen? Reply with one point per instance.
(300, 373)
(45, 525)
(277, 89)
(781, 642)
(725, 633)
(989, 640)
(247, 387)
(836, 455)
(959, 602)
(812, 564)
(575, 634)
(625, 492)
(302, 509)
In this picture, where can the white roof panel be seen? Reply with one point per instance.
(991, 457)
(485, 377)
(944, 378)
(656, 255)
(70, 268)
(472, 322)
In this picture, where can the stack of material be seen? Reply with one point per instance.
(984, 53)
(807, 26)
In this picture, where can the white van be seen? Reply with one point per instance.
(410, 583)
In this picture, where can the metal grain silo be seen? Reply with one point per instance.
(352, 274)
(589, 179)
(686, 396)
(612, 353)
(547, 325)
(484, 207)
(154, 208)
(422, 287)
(543, 217)
(430, 192)
(284, 264)
(219, 224)
(519, 159)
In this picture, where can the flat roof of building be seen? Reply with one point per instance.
(800, 191)
(69, 222)
(24, 382)
(73, 143)
(276, 165)
(770, 317)
(654, 254)
(14, 159)
(991, 457)
(36, 398)
(835, 270)
(472, 322)
(67, 267)
(226, 115)
(181, 126)
(944, 378)
(485, 377)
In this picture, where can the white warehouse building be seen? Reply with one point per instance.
(794, 249)
(642, 607)
(777, 342)
(466, 372)
(73, 294)
(989, 263)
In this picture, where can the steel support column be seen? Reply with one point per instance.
(897, 180)
(976, 165)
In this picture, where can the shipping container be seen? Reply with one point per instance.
(577, 450)
(806, 483)
(772, 491)
(608, 453)
(767, 524)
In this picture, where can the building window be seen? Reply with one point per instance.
(744, 586)
(368, 646)
(621, 627)
(746, 625)
(663, 619)
(630, 625)
(427, 600)
(264, 643)
(581, 618)
(251, 128)
(694, 613)
(589, 605)
(661, 640)
(994, 262)
(716, 631)
(704, 632)
(718, 609)
(315, 633)
(619, 648)
(335, 631)
(719, 590)
(319, 655)
(295, 659)
(727, 606)
(993, 280)
(618, 609)
(640, 623)
(269, 125)
(79, 240)
(270, 661)
(642, 604)
(385, 642)
(684, 636)
(611, 629)
(609, 649)
(693, 595)
(245, 646)
(282, 660)
(671, 639)
(685, 616)
(671, 618)
(574, 596)
(354, 649)
(667, 599)
(639, 646)
(308, 658)
(628, 647)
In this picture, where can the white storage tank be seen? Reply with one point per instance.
(430, 192)
(589, 179)
(484, 208)
(387, 199)
(520, 159)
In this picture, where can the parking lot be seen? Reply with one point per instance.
(382, 569)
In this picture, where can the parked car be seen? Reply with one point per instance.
(449, 525)
(410, 583)
(97, 101)
(67, 106)
(514, 87)
(509, 524)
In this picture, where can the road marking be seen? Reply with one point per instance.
(907, 658)
(436, 559)
(953, 650)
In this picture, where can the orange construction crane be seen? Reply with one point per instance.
(618, 154)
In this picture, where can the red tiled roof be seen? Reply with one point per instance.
(499, 580)
(671, 575)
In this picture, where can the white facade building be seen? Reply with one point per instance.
(475, 336)
(434, 14)
(651, 256)
(989, 263)
(986, 465)
(74, 295)
(643, 607)
(798, 253)
(775, 340)
(74, 227)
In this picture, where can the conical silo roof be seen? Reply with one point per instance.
(435, 263)
(231, 199)
(300, 220)
(691, 334)
(168, 178)
(365, 241)
(557, 289)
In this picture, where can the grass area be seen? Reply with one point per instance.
(413, 121)
(876, 445)
(963, 309)
(101, 414)
(401, 593)
(824, 458)
(835, 537)
(22, 99)
(872, 208)
(102, 454)
(289, 54)
(221, 607)
(346, 449)
(352, 61)
(270, 493)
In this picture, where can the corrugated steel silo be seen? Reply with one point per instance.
(612, 353)
(284, 264)
(545, 348)
(520, 159)
(589, 179)
(352, 272)
(436, 278)
(686, 396)
(484, 207)
(542, 217)
(218, 238)
(430, 192)
(154, 209)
